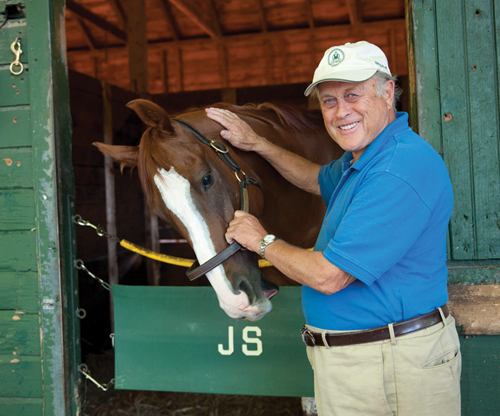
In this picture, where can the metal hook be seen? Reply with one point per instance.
(98, 229)
(85, 371)
(81, 266)
(17, 52)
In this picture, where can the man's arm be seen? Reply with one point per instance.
(309, 268)
(294, 168)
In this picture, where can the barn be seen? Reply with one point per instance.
(67, 70)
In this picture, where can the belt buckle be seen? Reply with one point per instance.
(307, 335)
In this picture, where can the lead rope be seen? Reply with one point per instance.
(164, 258)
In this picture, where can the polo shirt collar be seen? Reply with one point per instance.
(398, 125)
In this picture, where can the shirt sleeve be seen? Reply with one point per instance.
(384, 219)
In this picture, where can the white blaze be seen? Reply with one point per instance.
(175, 192)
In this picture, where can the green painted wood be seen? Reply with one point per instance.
(425, 54)
(17, 209)
(51, 136)
(19, 291)
(21, 406)
(20, 376)
(15, 88)
(454, 89)
(496, 10)
(20, 333)
(480, 375)
(486, 272)
(178, 339)
(15, 122)
(8, 34)
(16, 168)
(484, 123)
(18, 251)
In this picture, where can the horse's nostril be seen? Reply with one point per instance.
(245, 287)
(270, 293)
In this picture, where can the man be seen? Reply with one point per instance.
(378, 334)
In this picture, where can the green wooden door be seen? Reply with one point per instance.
(454, 52)
(38, 351)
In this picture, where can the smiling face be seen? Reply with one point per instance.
(354, 114)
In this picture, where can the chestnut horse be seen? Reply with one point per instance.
(189, 186)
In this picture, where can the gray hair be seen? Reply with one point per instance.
(381, 79)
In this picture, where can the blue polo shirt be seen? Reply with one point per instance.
(385, 225)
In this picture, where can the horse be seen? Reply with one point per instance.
(189, 185)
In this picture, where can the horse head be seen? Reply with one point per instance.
(190, 187)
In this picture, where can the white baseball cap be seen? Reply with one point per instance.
(352, 62)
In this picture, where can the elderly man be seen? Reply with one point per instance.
(379, 336)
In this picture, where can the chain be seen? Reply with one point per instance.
(81, 266)
(85, 371)
(101, 232)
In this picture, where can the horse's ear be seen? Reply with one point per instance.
(126, 155)
(152, 114)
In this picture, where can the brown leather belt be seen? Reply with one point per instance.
(317, 339)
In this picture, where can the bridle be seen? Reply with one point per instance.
(222, 151)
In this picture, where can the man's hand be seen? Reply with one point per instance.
(237, 132)
(246, 230)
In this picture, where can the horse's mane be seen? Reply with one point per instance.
(289, 116)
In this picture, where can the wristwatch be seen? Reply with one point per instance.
(268, 239)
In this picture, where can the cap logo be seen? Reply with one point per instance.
(336, 57)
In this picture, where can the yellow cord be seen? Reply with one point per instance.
(178, 261)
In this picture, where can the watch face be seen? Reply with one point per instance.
(269, 238)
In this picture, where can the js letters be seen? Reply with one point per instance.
(255, 350)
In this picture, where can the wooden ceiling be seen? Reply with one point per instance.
(189, 45)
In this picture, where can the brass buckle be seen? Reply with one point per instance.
(219, 147)
(307, 335)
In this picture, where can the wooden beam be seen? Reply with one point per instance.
(109, 181)
(476, 308)
(282, 68)
(198, 16)
(137, 46)
(354, 9)
(120, 12)
(262, 15)
(180, 69)
(214, 17)
(85, 14)
(268, 56)
(169, 17)
(86, 33)
(223, 65)
(164, 60)
(310, 15)
(337, 31)
(394, 56)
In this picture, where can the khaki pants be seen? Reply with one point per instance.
(413, 375)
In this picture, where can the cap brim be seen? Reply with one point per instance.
(352, 76)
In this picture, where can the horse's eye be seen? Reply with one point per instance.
(207, 181)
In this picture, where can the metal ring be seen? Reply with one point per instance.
(20, 65)
(213, 145)
(81, 313)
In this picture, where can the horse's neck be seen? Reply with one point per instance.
(291, 213)
(314, 144)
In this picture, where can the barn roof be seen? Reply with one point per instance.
(206, 44)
